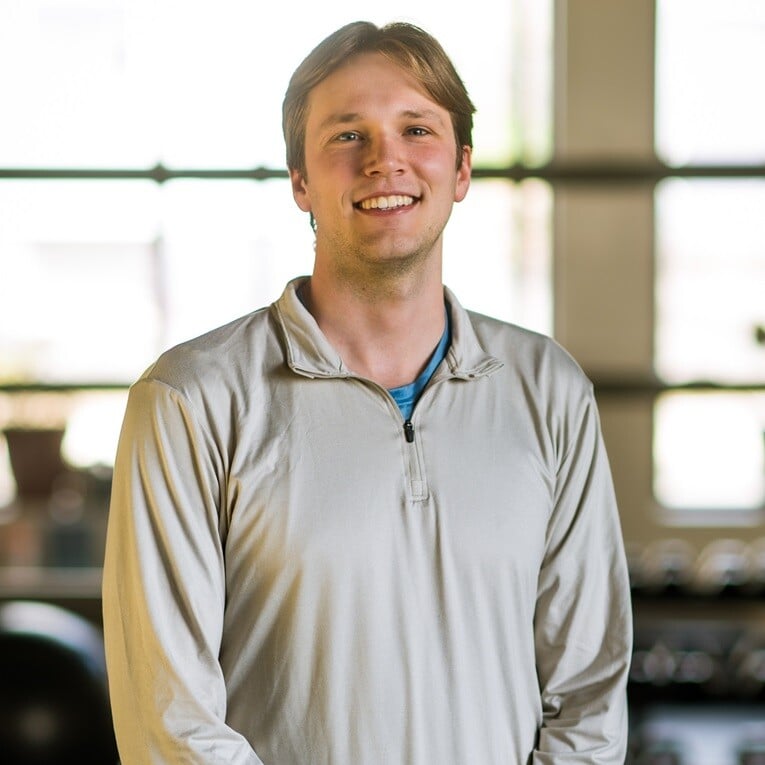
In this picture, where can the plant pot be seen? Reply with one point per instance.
(36, 461)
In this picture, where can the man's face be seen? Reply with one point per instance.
(381, 166)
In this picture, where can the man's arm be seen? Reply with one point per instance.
(164, 589)
(583, 622)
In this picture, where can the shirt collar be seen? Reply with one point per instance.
(310, 354)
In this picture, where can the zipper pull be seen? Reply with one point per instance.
(409, 431)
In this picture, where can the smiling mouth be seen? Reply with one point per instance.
(391, 202)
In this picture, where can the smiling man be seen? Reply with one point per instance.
(380, 170)
(365, 526)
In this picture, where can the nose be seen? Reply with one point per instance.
(384, 156)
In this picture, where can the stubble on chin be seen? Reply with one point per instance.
(380, 271)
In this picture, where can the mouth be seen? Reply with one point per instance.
(386, 202)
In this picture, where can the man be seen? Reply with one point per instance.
(364, 526)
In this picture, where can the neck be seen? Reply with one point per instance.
(386, 335)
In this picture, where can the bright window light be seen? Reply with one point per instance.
(710, 77)
(709, 452)
(710, 280)
(128, 83)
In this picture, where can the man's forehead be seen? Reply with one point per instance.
(346, 88)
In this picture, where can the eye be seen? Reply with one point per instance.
(348, 135)
(418, 131)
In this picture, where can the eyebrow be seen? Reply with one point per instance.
(431, 114)
(339, 119)
(343, 118)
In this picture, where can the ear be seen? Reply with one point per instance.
(300, 190)
(463, 174)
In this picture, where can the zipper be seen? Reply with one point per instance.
(408, 424)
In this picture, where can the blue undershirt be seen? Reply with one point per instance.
(406, 395)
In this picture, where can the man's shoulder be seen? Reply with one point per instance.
(525, 351)
(217, 357)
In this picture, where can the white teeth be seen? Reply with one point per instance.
(385, 203)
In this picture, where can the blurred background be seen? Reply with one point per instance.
(618, 204)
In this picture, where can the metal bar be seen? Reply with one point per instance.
(617, 172)
(656, 387)
(602, 385)
(557, 172)
(159, 174)
(41, 387)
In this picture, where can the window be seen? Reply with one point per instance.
(710, 257)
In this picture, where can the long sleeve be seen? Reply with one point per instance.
(583, 630)
(164, 589)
